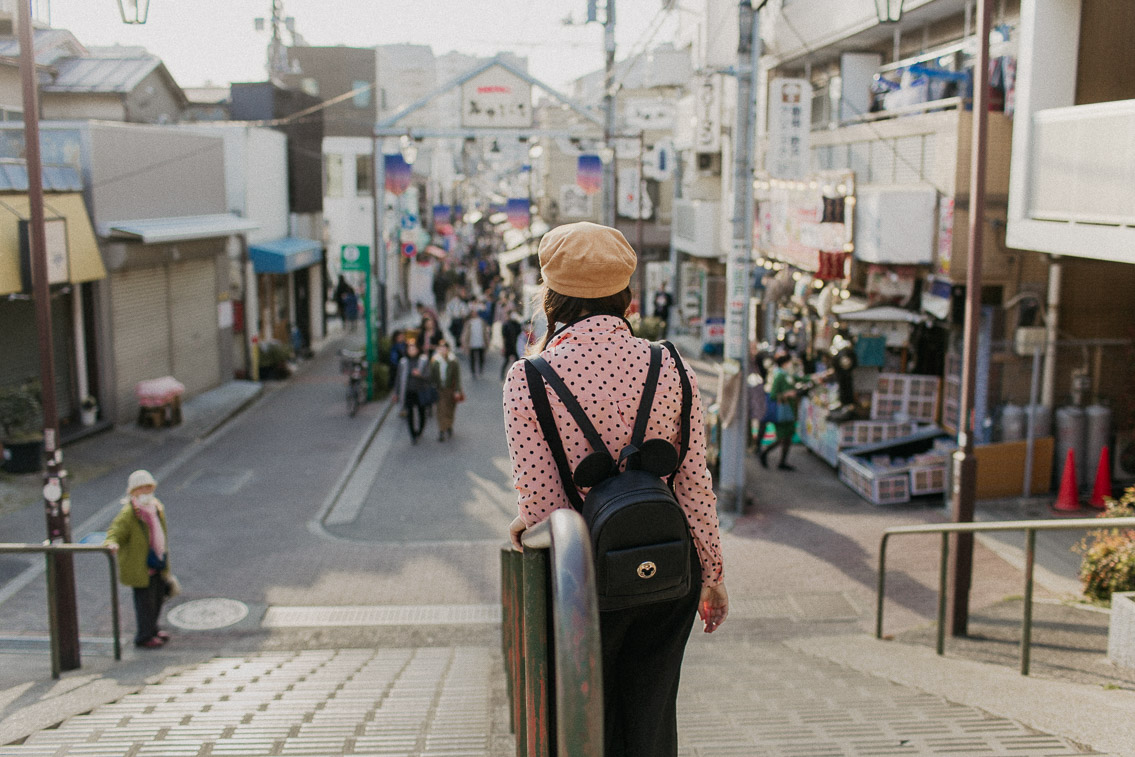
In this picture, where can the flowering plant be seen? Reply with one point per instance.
(1108, 564)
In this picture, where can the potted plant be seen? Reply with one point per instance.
(89, 410)
(21, 421)
(1108, 574)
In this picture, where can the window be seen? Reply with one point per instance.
(361, 99)
(332, 175)
(364, 167)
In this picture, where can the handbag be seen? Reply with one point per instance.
(785, 413)
(173, 586)
(459, 396)
(427, 395)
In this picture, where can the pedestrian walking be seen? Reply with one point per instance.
(511, 331)
(782, 391)
(139, 538)
(429, 335)
(445, 376)
(341, 290)
(413, 389)
(351, 309)
(457, 309)
(586, 269)
(474, 340)
(662, 302)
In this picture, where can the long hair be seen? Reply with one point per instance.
(559, 308)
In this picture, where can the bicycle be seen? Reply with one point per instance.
(354, 364)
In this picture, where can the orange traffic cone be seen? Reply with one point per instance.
(1067, 500)
(1102, 489)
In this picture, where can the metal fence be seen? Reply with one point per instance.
(48, 550)
(550, 639)
(1030, 527)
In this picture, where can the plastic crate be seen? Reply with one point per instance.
(858, 433)
(911, 396)
(877, 486)
(927, 479)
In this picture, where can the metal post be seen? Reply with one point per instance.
(57, 502)
(734, 438)
(965, 468)
(1027, 621)
(378, 195)
(538, 684)
(943, 572)
(609, 114)
(640, 190)
(880, 586)
(1030, 425)
(114, 615)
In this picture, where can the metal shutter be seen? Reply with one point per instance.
(141, 328)
(195, 344)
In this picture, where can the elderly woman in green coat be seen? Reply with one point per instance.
(138, 535)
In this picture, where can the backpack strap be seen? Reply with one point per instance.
(648, 391)
(547, 423)
(570, 402)
(687, 406)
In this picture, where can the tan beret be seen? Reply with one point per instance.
(586, 260)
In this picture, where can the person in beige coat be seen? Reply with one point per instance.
(445, 375)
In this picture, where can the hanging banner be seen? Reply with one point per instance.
(397, 174)
(589, 174)
(574, 202)
(789, 126)
(519, 212)
(441, 214)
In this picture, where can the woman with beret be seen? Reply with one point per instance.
(586, 270)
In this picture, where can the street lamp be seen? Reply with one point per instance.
(889, 11)
(134, 11)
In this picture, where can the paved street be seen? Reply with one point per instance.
(372, 628)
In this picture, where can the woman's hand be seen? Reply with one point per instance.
(516, 529)
(713, 607)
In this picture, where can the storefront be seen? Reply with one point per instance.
(289, 289)
(75, 264)
(170, 312)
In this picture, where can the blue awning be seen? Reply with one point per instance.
(285, 255)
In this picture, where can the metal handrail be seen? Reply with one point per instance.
(48, 550)
(550, 640)
(1030, 527)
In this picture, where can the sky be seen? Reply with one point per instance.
(214, 41)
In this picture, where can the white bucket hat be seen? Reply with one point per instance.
(140, 478)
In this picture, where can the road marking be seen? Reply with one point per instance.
(349, 503)
(381, 615)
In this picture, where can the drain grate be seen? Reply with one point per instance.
(374, 615)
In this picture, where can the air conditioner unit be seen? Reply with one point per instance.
(1123, 457)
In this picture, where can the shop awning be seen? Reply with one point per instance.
(85, 262)
(285, 255)
(177, 229)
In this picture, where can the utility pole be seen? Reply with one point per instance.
(56, 499)
(609, 115)
(734, 437)
(640, 190)
(277, 51)
(964, 486)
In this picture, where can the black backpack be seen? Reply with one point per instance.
(640, 537)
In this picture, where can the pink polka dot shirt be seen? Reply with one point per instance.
(605, 367)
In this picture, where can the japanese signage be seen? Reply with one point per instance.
(58, 255)
(789, 121)
(707, 110)
(633, 202)
(355, 257)
(496, 97)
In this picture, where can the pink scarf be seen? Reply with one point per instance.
(148, 514)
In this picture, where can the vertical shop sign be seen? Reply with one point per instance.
(589, 174)
(945, 236)
(736, 301)
(707, 105)
(789, 122)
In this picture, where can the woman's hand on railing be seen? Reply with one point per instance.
(713, 606)
(516, 530)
